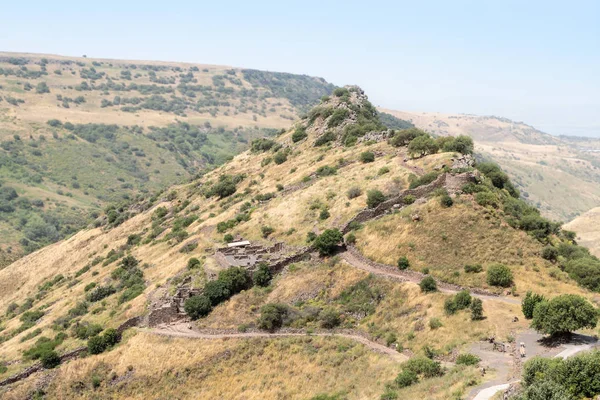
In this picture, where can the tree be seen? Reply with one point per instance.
(374, 198)
(564, 314)
(428, 284)
(405, 136)
(529, 302)
(367, 157)
(499, 275)
(262, 276)
(327, 242)
(197, 307)
(476, 309)
(42, 87)
(50, 359)
(193, 263)
(422, 145)
(216, 291)
(463, 299)
(461, 144)
(271, 316)
(406, 378)
(403, 263)
(550, 253)
(236, 279)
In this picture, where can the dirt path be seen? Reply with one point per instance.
(183, 331)
(408, 276)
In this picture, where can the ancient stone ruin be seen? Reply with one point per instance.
(244, 254)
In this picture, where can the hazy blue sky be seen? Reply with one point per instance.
(532, 61)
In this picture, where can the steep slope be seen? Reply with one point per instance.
(587, 227)
(560, 175)
(289, 196)
(129, 127)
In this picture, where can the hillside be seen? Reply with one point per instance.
(361, 243)
(78, 133)
(587, 227)
(560, 175)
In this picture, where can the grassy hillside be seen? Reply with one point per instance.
(560, 175)
(587, 228)
(77, 134)
(297, 188)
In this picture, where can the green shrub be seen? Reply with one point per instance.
(96, 345)
(228, 238)
(217, 291)
(467, 359)
(486, 199)
(327, 242)
(374, 198)
(403, 263)
(383, 171)
(266, 231)
(329, 318)
(197, 307)
(324, 214)
(353, 192)
(446, 201)
(236, 279)
(406, 378)
(435, 323)
(476, 309)
(299, 134)
(409, 199)
(423, 366)
(351, 238)
(50, 359)
(272, 316)
(428, 284)
(423, 180)
(529, 302)
(463, 299)
(405, 136)
(280, 157)
(473, 268)
(422, 145)
(550, 253)
(367, 157)
(499, 275)
(563, 314)
(450, 306)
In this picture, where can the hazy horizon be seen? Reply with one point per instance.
(535, 62)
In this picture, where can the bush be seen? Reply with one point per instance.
(473, 268)
(299, 134)
(272, 316)
(467, 359)
(50, 359)
(446, 201)
(330, 318)
(217, 291)
(403, 263)
(266, 231)
(351, 238)
(435, 323)
(463, 299)
(450, 306)
(550, 253)
(197, 307)
(374, 198)
(476, 309)
(96, 345)
(486, 199)
(499, 275)
(406, 378)
(353, 192)
(367, 157)
(423, 366)
(280, 157)
(327, 242)
(262, 276)
(228, 238)
(409, 199)
(423, 180)
(405, 136)
(529, 302)
(564, 314)
(428, 284)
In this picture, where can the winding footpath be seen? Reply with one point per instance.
(183, 330)
(390, 272)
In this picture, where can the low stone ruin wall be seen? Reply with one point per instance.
(452, 182)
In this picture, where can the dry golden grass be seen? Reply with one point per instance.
(296, 368)
(588, 233)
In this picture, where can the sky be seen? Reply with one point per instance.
(531, 61)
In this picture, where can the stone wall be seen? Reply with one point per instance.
(453, 182)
